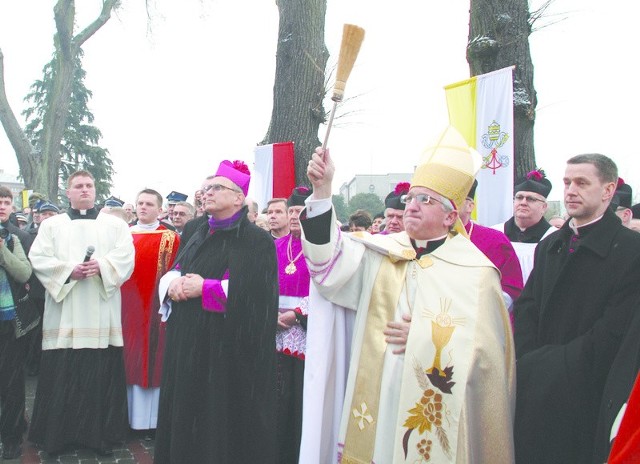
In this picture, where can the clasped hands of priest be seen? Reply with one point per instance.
(86, 270)
(185, 287)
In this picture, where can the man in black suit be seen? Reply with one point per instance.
(571, 318)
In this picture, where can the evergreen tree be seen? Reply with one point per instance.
(79, 147)
(367, 201)
(341, 208)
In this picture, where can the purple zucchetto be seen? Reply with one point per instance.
(237, 172)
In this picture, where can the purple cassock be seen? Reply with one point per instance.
(294, 279)
(496, 246)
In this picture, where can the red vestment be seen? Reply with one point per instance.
(626, 446)
(142, 330)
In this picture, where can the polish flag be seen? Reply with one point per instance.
(274, 172)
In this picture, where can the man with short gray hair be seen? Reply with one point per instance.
(183, 212)
(420, 391)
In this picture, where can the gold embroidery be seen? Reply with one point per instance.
(409, 253)
(166, 244)
(442, 330)
(362, 415)
(429, 413)
(359, 442)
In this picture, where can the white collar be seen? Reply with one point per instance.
(153, 226)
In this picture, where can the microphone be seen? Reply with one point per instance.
(90, 250)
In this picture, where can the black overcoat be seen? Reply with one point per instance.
(569, 322)
(617, 389)
(218, 390)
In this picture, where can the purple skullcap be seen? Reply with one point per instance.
(237, 172)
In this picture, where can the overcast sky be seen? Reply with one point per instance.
(175, 95)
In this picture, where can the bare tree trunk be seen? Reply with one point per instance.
(40, 167)
(299, 89)
(25, 152)
(499, 37)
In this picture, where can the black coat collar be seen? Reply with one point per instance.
(597, 237)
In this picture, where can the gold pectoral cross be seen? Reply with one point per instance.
(290, 269)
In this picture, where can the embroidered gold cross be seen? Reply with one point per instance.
(363, 415)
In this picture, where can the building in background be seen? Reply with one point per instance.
(378, 184)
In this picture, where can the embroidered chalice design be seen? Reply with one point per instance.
(442, 327)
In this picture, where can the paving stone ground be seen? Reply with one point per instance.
(138, 450)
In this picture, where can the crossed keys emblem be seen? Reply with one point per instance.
(363, 415)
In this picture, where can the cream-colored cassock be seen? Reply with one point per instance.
(82, 313)
(451, 397)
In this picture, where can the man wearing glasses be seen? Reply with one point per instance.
(183, 212)
(218, 390)
(172, 199)
(415, 392)
(528, 226)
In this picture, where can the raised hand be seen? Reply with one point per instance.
(320, 172)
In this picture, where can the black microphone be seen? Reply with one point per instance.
(90, 250)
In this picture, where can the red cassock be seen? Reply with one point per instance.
(143, 332)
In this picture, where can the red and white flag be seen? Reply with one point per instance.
(274, 172)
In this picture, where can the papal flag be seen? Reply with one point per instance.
(481, 108)
(274, 172)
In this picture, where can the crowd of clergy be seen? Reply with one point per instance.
(234, 334)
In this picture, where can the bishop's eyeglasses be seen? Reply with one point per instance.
(218, 188)
(423, 198)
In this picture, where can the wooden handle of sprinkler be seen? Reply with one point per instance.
(329, 124)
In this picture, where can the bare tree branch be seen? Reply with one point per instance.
(107, 7)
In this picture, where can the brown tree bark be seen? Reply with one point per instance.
(299, 88)
(40, 166)
(499, 37)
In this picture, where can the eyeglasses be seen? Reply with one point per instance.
(423, 198)
(528, 199)
(218, 188)
(179, 213)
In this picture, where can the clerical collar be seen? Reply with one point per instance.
(584, 228)
(424, 247)
(531, 234)
(91, 213)
(228, 223)
(152, 226)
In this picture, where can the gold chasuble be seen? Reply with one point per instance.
(450, 397)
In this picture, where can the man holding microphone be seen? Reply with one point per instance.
(82, 259)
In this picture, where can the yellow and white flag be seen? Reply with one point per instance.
(481, 108)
